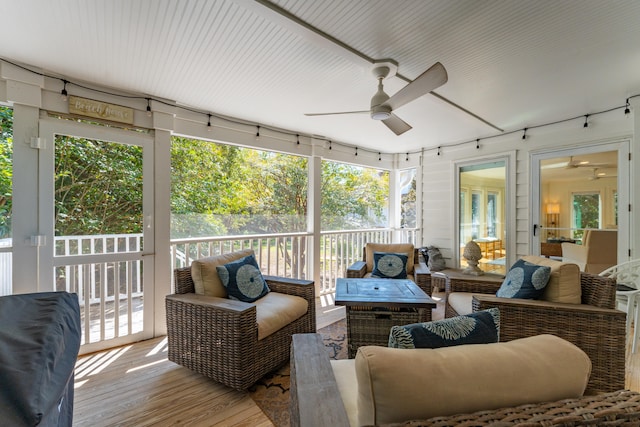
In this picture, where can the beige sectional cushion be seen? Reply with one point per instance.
(397, 385)
(461, 302)
(276, 310)
(345, 373)
(204, 274)
(564, 282)
(396, 248)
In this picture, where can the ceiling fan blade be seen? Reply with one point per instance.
(431, 79)
(332, 114)
(396, 124)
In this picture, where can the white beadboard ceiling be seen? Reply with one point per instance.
(514, 63)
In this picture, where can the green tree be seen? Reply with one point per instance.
(6, 170)
(98, 187)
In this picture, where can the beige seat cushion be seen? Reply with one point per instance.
(564, 282)
(276, 310)
(345, 374)
(397, 385)
(204, 274)
(396, 248)
(461, 302)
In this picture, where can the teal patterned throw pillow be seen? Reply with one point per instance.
(481, 327)
(389, 265)
(525, 280)
(243, 280)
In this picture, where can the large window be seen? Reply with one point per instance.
(586, 213)
(221, 190)
(353, 197)
(408, 198)
(6, 197)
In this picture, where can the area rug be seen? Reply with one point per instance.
(271, 393)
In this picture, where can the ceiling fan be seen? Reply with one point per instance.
(595, 175)
(382, 105)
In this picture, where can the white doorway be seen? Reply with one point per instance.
(95, 221)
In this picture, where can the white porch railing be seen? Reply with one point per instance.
(286, 254)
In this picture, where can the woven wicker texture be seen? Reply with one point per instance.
(619, 408)
(218, 338)
(594, 326)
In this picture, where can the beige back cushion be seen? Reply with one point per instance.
(397, 385)
(396, 248)
(564, 282)
(204, 274)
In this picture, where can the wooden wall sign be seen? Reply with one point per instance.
(100, 110)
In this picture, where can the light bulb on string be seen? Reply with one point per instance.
(257, 133)
(586, 121)
(297, 139)
(149, 107)
(63, 92)
(524, 134)
(627, 110)
(209, 127)
(478, 144)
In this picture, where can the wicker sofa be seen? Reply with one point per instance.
(218, 338)
(417, 271)
(315, 379)
(594, 325)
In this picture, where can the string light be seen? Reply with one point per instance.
(407, 158)
(379, 156)
(297, 139)
(64, 95)
(356, 151)
(257, 132)
(209, 122)
(63, 92)
(478, 144)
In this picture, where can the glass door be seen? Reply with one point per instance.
(579, 189)
(482, 201)
(96, 209)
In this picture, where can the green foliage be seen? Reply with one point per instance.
(6, 170)
(98, 187)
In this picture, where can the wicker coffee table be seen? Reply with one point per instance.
(373, 306)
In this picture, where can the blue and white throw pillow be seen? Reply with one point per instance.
(243, 280)
(481, 327)
(525, 280)
(389, 265)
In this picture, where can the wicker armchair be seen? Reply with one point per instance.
(595, 325)
(218, 337)
(421, 274)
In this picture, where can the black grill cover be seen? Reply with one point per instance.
(39, 344)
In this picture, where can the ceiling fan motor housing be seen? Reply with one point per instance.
(380, 112)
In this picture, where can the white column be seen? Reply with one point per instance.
(313, 214)
(634, 194)
(394, 205)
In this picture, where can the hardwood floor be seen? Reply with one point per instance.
(135, 385)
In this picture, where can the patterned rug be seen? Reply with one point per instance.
(271, 393)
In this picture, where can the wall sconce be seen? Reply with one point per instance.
(553, 218)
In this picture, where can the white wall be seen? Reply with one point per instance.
(439, 193)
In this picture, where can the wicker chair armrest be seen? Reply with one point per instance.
(286, 285)
(422, 277)
(315, 398)
(357, 270)
(599, 332)
(470, 286)
(232, 307)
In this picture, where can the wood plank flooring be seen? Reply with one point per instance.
(135, 385)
